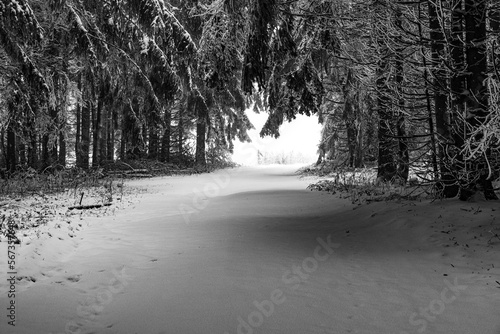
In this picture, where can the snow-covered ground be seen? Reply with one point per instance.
(249, 250)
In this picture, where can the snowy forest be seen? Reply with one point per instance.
(124, 207)
(399, 85)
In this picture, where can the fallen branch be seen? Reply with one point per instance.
(91, 206)
(131, 173)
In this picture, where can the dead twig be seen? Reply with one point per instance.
(91, 206)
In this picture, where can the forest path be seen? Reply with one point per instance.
(250, 250)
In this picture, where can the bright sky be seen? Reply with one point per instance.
(300, 137)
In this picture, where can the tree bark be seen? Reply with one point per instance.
(165, 143)
(96, 140)
(53, 154)
(201, 130)
(32, 136)
(103, 140)
(22, 152)
(153, 143)
(11, 154)
(45, 151)
(123, 134)
(457, 87)
(110, 140)
(62, 145)
(477, 97)
(387, 169)
(447, 183)
(403, 163)
(78, 126)
(180, 130)
(352, 121)
(84, 151)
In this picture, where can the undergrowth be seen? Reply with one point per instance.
(29, 182)
(360, 185)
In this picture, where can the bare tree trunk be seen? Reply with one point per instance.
(403, 163)
(143, 145)
(54, 129)
(153, 143)
(33, 140)
(22, 152)
(180, 129)
(45, 151)
(359, 157)
(62, 145)
(386, 161)
(457, 87)
(201, 131)
(165, 143)
(78, 126)
(349, 116)
(11, 154)
(103, 144)
(96, 158)
(123, 135)
(84, 151)
(110, 140)
(3, 156)
(440, 88)
(477, 101)
(430, 118)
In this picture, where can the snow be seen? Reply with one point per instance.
(249, 250)
(289, 144)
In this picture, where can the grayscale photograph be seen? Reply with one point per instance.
(249, 167)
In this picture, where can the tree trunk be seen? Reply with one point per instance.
(180, 129)
(386, 163)
(103, 143)
(62, 146)
(55, 132)
(403, 163)
(143, 144)
(33, 138)
(78, 127)
(45, 151)
(110, 140)
(123, 134)
(439, 87)
(165, 143)
(359, 158)
(131, 145)
(22, 152)
(387, 168)
(351, 118)
(477, 101)
(96, 158)
(61, 130)
(153, 142)
(457, 102)
(11, 154)
(201, 130)
(3, 156)
(84, 151)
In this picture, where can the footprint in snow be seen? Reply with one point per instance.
(74, 278)
(26, 278)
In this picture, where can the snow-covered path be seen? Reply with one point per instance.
(250, 250)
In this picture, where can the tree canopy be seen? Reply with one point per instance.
(400, 85)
